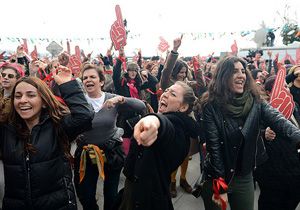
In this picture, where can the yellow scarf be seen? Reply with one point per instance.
(96, 155)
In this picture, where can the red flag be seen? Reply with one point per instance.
(281, 98)
(234, 48)
(25, 46)
(117, 30)
(288, 57)
(163, 45)
(298, 56)
(68, 48)
(34, 54)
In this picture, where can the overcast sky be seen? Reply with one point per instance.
(151, 19)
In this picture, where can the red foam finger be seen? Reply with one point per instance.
(118, 14)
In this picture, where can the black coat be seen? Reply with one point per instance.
(121, 88)
(149, 168)
(220, 129)
(43, 180)
(120, 81)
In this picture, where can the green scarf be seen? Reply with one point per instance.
(240, 106)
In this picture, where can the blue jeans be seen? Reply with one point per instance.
(86, 190)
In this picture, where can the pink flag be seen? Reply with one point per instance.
(163, 45)
(234, 48)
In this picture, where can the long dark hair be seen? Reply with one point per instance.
(55, 109)
(178, 66)
(219, 89)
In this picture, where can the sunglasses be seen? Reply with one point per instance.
(10, 76)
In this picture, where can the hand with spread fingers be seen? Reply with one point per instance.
(146, 130)
(62, 75)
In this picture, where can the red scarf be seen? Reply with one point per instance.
(134, 93)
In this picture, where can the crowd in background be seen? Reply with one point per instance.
(109, 109)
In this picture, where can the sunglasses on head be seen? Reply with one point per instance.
(10, 76)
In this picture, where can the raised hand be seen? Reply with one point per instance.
(177, 43)
(62, 75)
(117, 30)
(63, 59)
(146, 130)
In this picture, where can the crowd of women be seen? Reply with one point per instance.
(140, 118)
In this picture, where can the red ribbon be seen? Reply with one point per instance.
(48, 78)
(150, 91)
(108, 72)
(219, 184)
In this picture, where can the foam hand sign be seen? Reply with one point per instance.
(117, 30)
(34, 54)
(74, 65)
(281, 98)
(78, 52)
(288, 57)
(163, 45)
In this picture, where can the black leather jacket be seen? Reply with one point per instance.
(222, 153)
(43, 180)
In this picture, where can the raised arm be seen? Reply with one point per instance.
(81, 113)
(117, 72)
(170, 63)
